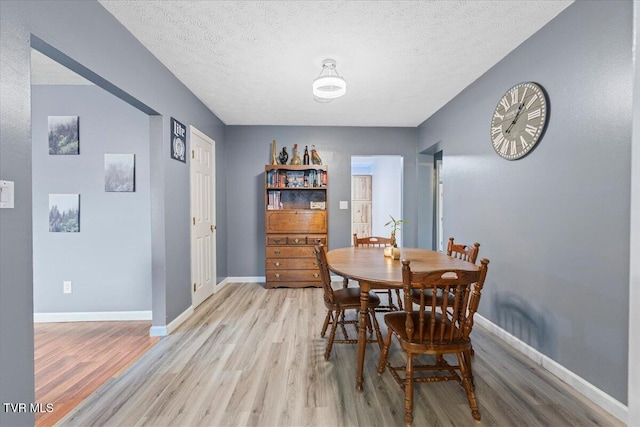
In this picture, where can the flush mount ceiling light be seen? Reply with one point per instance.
(329, 85)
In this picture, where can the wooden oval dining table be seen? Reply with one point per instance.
(373, 270)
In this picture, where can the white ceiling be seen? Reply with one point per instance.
(252, 62)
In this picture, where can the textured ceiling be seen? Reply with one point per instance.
(252, 63)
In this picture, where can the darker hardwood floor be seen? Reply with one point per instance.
(74, 359)
(249, 356)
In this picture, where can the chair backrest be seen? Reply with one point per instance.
(321, 256)
(373, 241)
(463, 252)
(441, 321)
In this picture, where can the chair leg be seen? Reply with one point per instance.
(467, 384)
(382, 364)
(376, 326)
(408, 391)
(467, 358)
(326, 323)
(332, 335)
(392, 306)
(342, 327)
(400, 307)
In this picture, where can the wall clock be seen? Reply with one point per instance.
(519, 120)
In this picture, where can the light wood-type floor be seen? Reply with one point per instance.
(254, 357)
(73, 359)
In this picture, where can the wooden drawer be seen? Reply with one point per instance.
(292, 264)
(290, 252)
(312, 239)
(276, 239)
(297, 239)
(293, 276)
(285, 221)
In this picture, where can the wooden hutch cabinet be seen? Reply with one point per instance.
(295, 219)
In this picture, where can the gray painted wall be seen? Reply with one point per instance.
(555, 224)
(248, 153)
(88, 34)
(109, 260)
(634, 282)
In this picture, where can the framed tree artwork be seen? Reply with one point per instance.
(64, 213)
(64, 135)
(119, 172)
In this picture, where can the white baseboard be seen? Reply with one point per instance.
(158, 331)
(248, 279)
(578, 383)
(221, 285)
(91, 316)
(162, 331)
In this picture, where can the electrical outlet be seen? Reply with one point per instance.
(66, 287)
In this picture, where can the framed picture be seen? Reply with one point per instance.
(178, 141)
(64, 213)
(119, 172)
(64, 134)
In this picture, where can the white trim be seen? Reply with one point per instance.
(578, 383)
(162, 331)
(248, 279)
(158, 331)
(91, 316)
(221, 285)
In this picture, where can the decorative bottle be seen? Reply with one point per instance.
(305, 158)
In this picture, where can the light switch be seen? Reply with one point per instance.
(6, 194)
(344, 204)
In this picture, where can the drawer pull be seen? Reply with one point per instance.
(297, 240)
(316, 275)
(277, 275)
(315, 264)
(277, 264)
(277, 252)
(276, 240)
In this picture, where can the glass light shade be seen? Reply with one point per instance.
(329, 85)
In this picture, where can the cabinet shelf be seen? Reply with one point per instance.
(297, 188)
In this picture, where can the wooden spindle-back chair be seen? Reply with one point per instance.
(463, 252)
(338, 302)
(435, 328)
(458, 251)
(380, 242)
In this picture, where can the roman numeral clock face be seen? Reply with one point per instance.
(519, 120)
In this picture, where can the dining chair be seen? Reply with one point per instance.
(459, 251)
(435, 328)
(380, 242)
(463, 252)
(338, 302)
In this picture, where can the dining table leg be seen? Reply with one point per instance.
(362, 331)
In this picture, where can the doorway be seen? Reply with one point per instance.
(376, 194)
(92, 288)
(203, 216)
(438, 203)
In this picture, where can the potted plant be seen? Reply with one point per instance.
(395, 227)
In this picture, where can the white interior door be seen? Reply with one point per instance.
(203, 217)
